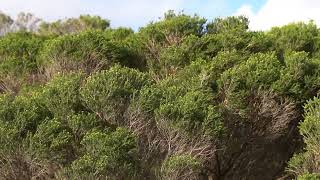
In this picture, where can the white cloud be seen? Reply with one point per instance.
(121, 12)
(281, 12)
(245, 10)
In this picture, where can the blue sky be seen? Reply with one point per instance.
(214, 8)
(263, 14)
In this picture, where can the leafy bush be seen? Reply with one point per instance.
(174, 57)
(171, 35)
(61, 94)
(108, 154)
(295, 37)
(6, 107)
(18, 65)
(237, 83)
(173, 27)
(299, 72)
(186, 109)
(87, 51)
(52, 141)
(18, 53)
(309, 177)
(179, 99)
(180, 167)
(220, 25)
(25, 112)
(308, 162)
(108, 92)
(82, 123)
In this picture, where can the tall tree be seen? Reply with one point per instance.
(26, 22)
(74, 25)
(5, 23)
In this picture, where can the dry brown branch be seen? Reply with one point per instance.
(158, 139)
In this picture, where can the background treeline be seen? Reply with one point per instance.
(182, 98)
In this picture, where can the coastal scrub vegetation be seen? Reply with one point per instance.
(181, 98)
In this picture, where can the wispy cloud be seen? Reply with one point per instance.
(281, 12)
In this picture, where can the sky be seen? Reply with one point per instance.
(263, 14)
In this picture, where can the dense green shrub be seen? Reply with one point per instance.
(119, 34)
(237, 83)
(18, 53)
(228, 34)
(232, 23)
(18, 60)
(190, 110)
(108, 154)
(82, 123)
(52, 141)
(171, 35)
(307, 164)
(309, 177)
(87, 51)
(24, 112)
(299, 77)
(180, 167)
(173, 27)
(295, 37)
(182, 98)
(29, 112)
(8, 139)
(61, 94)
(108, 93)
(175, 57)
(7, 109)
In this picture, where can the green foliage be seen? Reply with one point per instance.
(109, 92)
(18, 53)
(306, 164)
(233, 23)
(168, 43)
(6, 108)
(300, 76)
(24, 112)
(309, 177)
(61, 94)
(29, 112)
(52, 141)
(310, 128)
(237, 83)
(295, 37)
(179, 99)
(88, 51)
(190, 110)
(82, 123)
(108, 154)
(174, 166)
(119, 34)
(8, 139)
(259, 42)
(18, 60)
(212, 44)
(20, 116)
(222, 62)
(173, 27)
